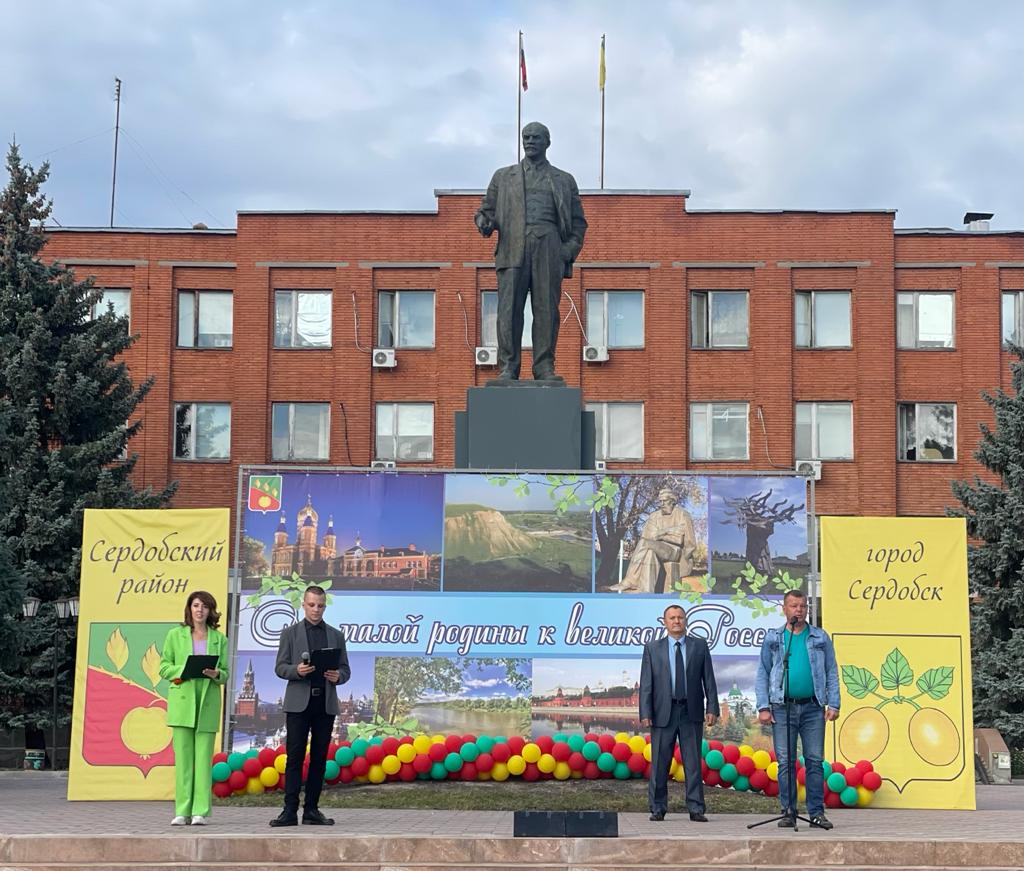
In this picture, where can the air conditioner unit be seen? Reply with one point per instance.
(600, 465)
(486, 356)
(384, 358)
(595, 353)
(382, 464)
(809, 469)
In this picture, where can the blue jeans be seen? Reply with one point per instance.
(808, 721)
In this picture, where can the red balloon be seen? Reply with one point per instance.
(267, 756)
(222, 789)
(715, 745)
(872, 780)
(237, 780)
(801, 775)
(772, 788)
(219, 757)
(647, 771)
(453, 743)
(391, 778)
(745, 766)
(713, 778)
(577, 762)
(468, 771)
(676, 754)
(251, 767)
(360, 766)
(388, 745)
(704, 770)
(515, 745)
(854, 776)
(832, 799)
(606, 742)
(545, 742)
(407, 772)
(375, 754)
(561, 751)
(501, 752)
(731, 753)
(437, 752)
(332, 748)
(405, 739)
(621, 751)
(344, 743)
(484, 762)
(771, 754)
(838, 766)
(469, 738)
(759, 779)
(865, 766)
(636, 762)
(421, 763)
(590, 736)
(346, 776)
(532, 772)
(591, 771)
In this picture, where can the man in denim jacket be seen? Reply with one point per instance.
(813, 695)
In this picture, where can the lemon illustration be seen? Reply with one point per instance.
(145, 731)
(864, 735)
(934, 737)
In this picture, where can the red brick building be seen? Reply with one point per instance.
(734, 340)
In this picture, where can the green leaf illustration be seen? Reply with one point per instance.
(896, 671)
(859, 681)
(936, 682)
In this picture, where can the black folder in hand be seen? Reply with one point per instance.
(195, 664)
(326, 659)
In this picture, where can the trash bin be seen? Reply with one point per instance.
(35, 760)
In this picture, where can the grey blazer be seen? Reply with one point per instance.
(656, 680)
(292, 643)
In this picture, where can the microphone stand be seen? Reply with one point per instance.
(790, 747)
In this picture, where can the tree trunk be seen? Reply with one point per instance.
(759, 555)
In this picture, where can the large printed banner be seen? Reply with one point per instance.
(894, 599)
(138, 568)
(510, 605)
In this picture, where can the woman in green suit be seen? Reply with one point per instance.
(193, 706)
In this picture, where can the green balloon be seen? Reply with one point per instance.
(359, 746)
(344, 756)
(438, 771)
(715, 759)
(576, 743)
(849, 796)
(376, 739)
(424, 775)
(469, 751)
(826, 770)
(453, 762)
(331, 770)
(704, 747)
(500, 739)
(591, 750)
(485, 743)
(606, 762)
(728, 772)
(221, 771)
(621, 770)
(741, 783)
(558, 736)
(252, 753)
(837, 783)
(236, 761)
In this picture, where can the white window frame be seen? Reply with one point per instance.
(101, 306)
(813, 344)
(527, 322)
(917, 346)
(396, 435)
(709, 409)
(708, 297)
(291, 433)
(815, 445)
(396, 308)
(194, 433)
(197, 297)
(900, 435)
(603, 419)
(295, 293)
(602, 339)
(1017, 329)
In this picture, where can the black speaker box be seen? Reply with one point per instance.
(591, 824)
(538, 824)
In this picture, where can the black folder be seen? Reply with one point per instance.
(195, 664)
(326, 659)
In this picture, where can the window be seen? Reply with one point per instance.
(927, 431)
(824, 431)
(718, 431)
(822, 319)
(204, 318)
(1013, 317)
(300, 430)
(405, 431)
(615, 318)
(202, 431)
(302, 319)
(405, 319)
(120, 298)
(489, 321)
(924, 320)
(619, 430)
(719, 319)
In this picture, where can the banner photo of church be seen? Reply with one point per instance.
(509, 604)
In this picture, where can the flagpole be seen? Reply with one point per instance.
(601, 76)
(519, 98)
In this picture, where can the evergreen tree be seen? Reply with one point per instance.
(995, 517)
(66, 403)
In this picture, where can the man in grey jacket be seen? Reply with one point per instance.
(310, 703)
(536, 209)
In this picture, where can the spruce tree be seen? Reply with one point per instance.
(995, 518)
(67, 413)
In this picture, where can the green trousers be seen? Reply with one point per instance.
(193, 771)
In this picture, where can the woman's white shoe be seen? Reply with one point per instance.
(198, 821)
(179, 821)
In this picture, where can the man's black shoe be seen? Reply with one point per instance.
(657, 817)
(821, 822)
(697, 817)
(315, 818)
(787, 822)
(286, 818)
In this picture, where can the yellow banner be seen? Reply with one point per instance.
(138, 568)
(895, 601)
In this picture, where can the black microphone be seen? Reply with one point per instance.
(792, 621)
(305, 655)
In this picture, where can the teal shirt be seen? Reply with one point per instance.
(801, 684)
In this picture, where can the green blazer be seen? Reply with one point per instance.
(193, 703)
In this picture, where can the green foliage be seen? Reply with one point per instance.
(994, 509)
(291, 588)
(68, 409)
(1017, 763)
(749, 590)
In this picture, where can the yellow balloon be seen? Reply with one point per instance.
(773, 770)
(746, 750)
(362, 778)
(622, 737)
(546, 763)
(281, 762)
(562, 771)
(391, 764)
(576, 775)
(762, 759)
(679, 775)
(647, 752)
(637, 743)
(673, 765)
(516, 764)
(405, 753)
(801, 792)
(864, 796)
(376, 774)
(254, 787)
(483, 775)
(499, 771)
(269, 777)
(531, 752)
(421, 743)
(437, 739)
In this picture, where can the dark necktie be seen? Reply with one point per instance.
(679, 692)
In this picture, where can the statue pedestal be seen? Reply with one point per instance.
(524, 425)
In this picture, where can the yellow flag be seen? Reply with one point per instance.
(601, 70)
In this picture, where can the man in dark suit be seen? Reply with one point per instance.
(678, 696)
(536, 209)
(310, 703)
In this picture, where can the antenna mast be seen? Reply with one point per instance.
(117, 130)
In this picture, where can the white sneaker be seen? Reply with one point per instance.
(198, 821)
(179, 821)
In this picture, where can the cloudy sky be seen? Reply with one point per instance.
(251, 104)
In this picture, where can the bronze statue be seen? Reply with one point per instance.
(537, 212)
(666, 545)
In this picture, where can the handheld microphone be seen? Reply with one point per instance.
(305, 656)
